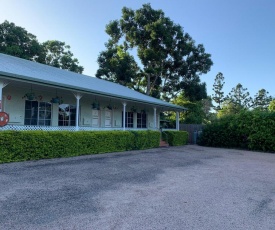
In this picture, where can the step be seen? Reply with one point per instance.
(163, 144)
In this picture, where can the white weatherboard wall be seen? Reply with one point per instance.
(14, 105)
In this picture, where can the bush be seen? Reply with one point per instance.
(254, 130)
(146, 139)
(34, 145)
(175, 138)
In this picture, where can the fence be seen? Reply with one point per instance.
(191, 129)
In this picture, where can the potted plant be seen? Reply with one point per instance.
(57, 99)
(109, 107)
(96, 105)
(29, 96)
(134, 109)
(143, 111)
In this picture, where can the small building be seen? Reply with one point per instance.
(41, 97)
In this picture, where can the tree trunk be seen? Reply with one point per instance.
(148, 84)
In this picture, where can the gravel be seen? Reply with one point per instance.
(188, 187)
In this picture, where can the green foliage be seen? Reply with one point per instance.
(198, 111)
(169, 59)
(218, 95)
(16, 41)
(58, 54)
(254, 130)
(117, 65)
(34, 145)
(239, 97)
(261, 100)
(271, 106)
(175, 138)
(146, 139)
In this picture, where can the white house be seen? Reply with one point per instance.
(41, 97)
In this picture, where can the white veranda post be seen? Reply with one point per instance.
(177, 121)
(2, 85)
(124, 115)
(155, 118)
(78, 96)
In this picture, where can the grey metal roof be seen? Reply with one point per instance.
(21, 69)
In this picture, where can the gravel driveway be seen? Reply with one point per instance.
(189, 187)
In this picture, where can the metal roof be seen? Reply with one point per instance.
(21, 69)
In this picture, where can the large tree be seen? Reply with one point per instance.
(168, 57)
(239, 98)
(261, 100)
(58, 54)
(16, 41)
(218, 95)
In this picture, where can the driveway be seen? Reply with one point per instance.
(189, 187)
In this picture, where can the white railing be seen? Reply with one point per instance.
(58, 128)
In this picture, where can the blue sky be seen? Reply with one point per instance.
(239, 34)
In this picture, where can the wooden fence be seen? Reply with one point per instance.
(191, 129)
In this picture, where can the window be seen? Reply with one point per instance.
(141, 120)
(37, 113)
(67, 115)
(129, 120)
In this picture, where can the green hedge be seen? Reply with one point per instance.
(34, 145)
(252, 130)
(175, 138)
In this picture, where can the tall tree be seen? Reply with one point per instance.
(239, 97)
(261, 100)
(218, 95)
(16, 41)
(58, 54)
(169, 58)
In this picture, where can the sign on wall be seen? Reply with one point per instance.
(4, 119)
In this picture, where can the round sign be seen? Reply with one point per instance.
(4, 119)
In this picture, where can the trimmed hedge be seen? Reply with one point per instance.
(34, 145)
(175, 138)
(253, 130)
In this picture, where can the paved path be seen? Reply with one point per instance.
(188, 187)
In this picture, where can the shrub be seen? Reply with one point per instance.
(146, 139)
(34, 145)
(175, 138)
(254, 130)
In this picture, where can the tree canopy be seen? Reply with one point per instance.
(261, 100)
(16, 41)
(169, 60)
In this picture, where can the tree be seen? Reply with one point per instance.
(239, 98)
(271, 106)
(117, 65)
(169, 58)
(58, 54)
(16, 41)
(261, 100)
(229, 108)
(198, 111)
(218, 95)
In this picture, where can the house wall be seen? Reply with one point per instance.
(14, 105)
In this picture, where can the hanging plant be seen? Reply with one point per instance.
(143, 111)
(29, 96)
(134, 109)
(57, 100)
(96, 105)
(109, 107)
